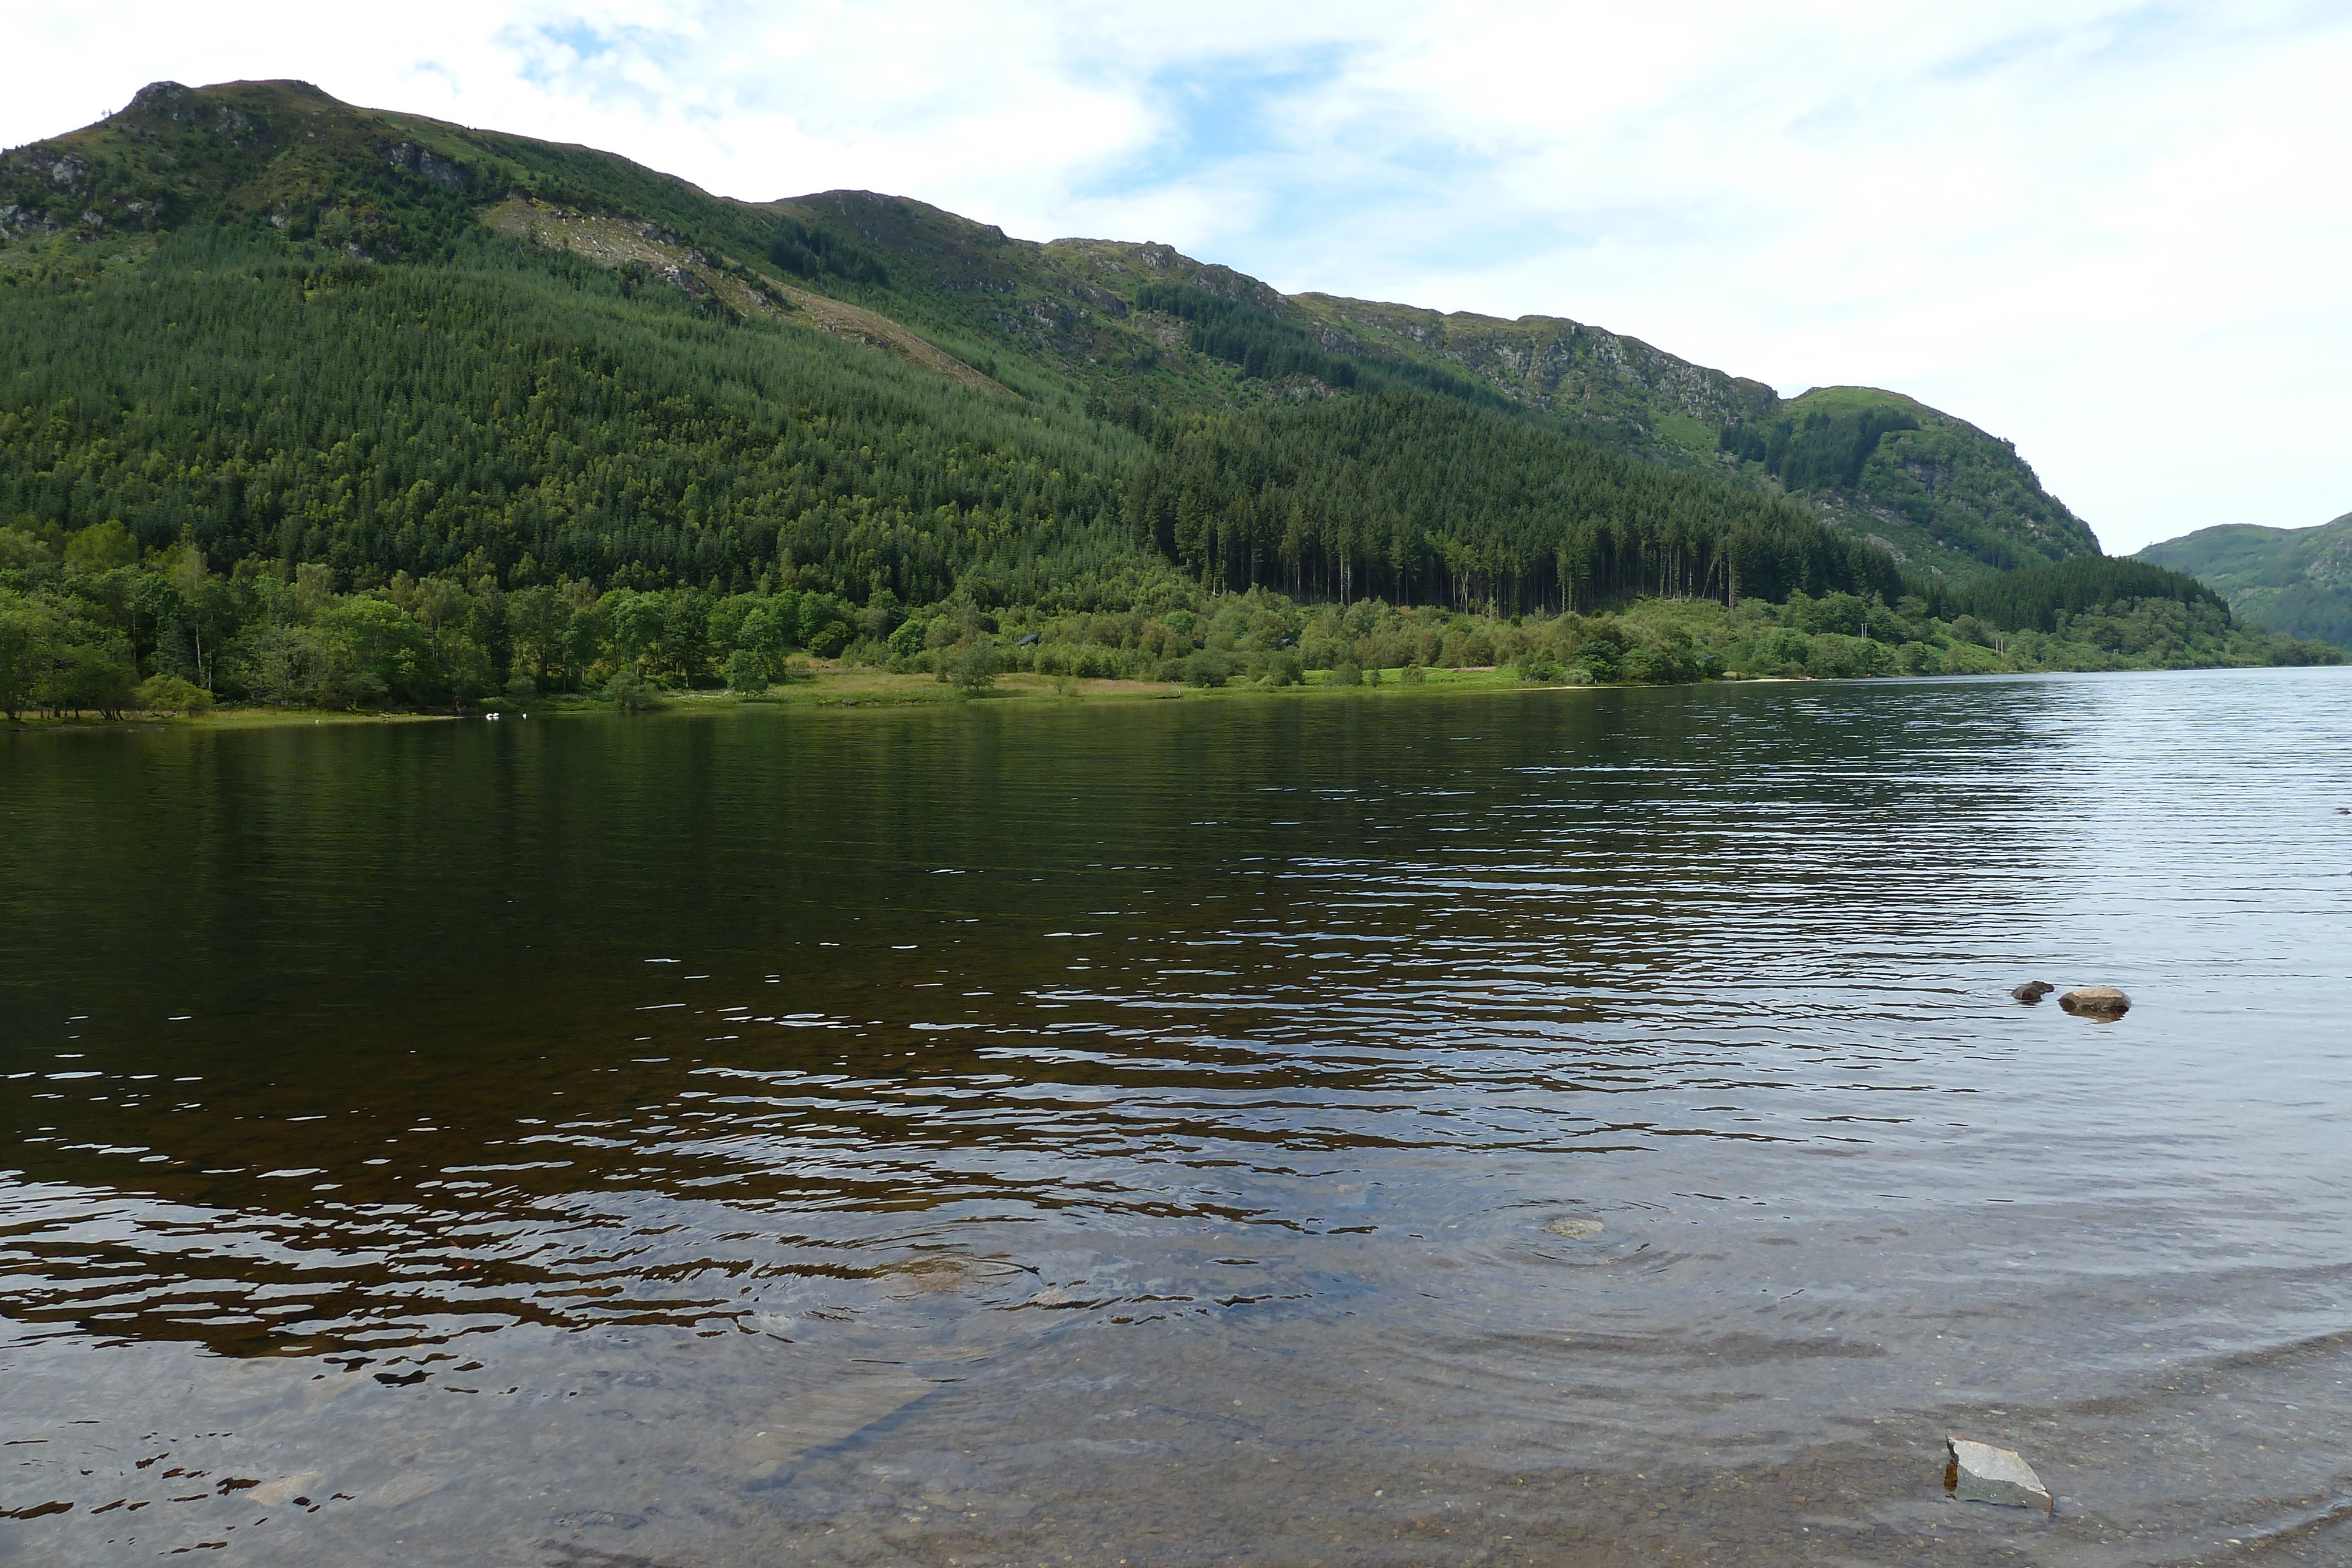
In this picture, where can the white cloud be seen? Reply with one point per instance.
(2110, 232)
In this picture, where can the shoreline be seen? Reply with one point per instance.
(870, 690)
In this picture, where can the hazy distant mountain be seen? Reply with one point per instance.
(2295, 581)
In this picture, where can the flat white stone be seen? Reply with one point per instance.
(286, 1488)
(1990, 1474)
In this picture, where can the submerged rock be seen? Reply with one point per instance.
(284, 1489)
(2096, 1002)
(1980, 1472)
(2033, 990)
(1576, 1229)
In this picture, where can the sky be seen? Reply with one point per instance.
(2115, 235)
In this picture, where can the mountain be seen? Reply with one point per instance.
(1111, 327)
(2294, 580)
(304, 404)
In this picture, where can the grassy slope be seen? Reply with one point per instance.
(2295, 581)
(1946, 497)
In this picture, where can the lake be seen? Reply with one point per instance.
(1555, 1127)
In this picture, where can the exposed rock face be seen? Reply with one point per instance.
(2033, 990)
(1980, 1472)
(2096, 1002)
(424, 165)
(181, 105)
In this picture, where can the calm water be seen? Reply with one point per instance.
(1561, 1127)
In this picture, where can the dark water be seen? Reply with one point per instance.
(1568, 1128)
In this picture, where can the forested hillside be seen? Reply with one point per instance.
(2298, 581)
(300, 403)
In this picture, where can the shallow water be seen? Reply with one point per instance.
(1578, 1127)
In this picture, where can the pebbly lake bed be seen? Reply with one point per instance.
(1567, 1126)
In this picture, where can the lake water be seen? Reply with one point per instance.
(1560, 1127)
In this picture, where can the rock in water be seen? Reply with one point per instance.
(1983, 1473)
(2096, 1002)
(2033, 990)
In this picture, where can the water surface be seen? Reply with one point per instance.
(1578, 1127)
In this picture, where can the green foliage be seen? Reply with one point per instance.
(512, 412)
(170, 694)
(1207, 668)
(1952, 499)
(974, 667)
(1822, 449)
(2295, 581)
(334, 443)
(747, 672)
(102, 547)
(60, 654)
(299, 179)
(809, 252)
(2039, 597)
(628, 691)
(1266, 345)
(1418, 498)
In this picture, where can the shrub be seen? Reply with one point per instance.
(747, 672)
(629, 691)
(973, 667)
(170, 694)
(1344, 673)
(1205, 667)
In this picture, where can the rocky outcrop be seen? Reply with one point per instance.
(2096, 1002)
(425, 164)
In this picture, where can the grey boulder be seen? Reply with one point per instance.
(1981, 1472)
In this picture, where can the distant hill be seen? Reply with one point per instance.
(2295, 581)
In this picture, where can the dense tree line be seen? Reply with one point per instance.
(1414, 498)
(1266, 346)
(2037, 597)
(808, 251)
(520, 416)
(1823, 450)
(92, 628)
(515, 415)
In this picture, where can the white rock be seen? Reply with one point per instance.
(402, 1490)
(1983, 1473)
(269, 1494)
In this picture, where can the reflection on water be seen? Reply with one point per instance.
(1569, 1126)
